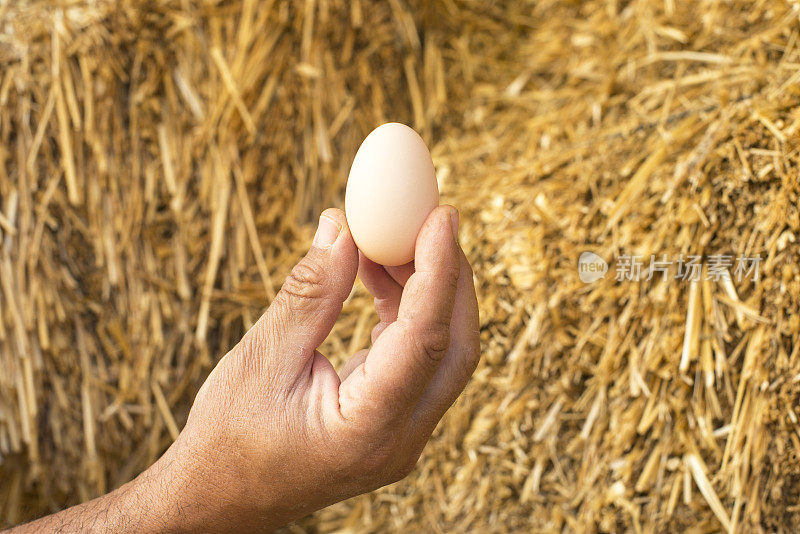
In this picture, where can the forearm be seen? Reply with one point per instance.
(184, 491)
(127, 509)
(158, 500)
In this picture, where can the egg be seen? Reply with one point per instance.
(390, 192)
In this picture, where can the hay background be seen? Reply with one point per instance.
(162, 164)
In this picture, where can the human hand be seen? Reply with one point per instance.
(275, 433)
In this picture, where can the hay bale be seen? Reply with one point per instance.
(162, 163)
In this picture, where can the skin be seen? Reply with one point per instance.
(275, 433)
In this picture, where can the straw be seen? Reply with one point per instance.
(163, 164)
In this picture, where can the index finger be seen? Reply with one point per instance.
(406, 355)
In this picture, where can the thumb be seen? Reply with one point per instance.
(305, 309)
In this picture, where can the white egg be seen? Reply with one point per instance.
(390, 192)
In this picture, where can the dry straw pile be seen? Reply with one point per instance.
(162, 164)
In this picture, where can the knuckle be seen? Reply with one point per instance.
(305, 282)
(436, 343)
(386, 464)
(431, 341)
(402, 468)
(450, 275)
(250, 349)
(372, 457)
(378, 456)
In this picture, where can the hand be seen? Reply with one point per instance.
(275, 433)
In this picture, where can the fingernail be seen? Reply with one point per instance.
(327, 232)
(454, 222)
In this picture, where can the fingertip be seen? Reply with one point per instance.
(335, 214)
(368, 270)
(401, 273)
(334, 250)
(437, 240)
(445, 219)
(376, 279)
(365, 263)
(455, 219)
(343, 243)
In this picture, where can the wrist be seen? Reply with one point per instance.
(155, 501)
(173, 494)
(192, 489)
(158, 497)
